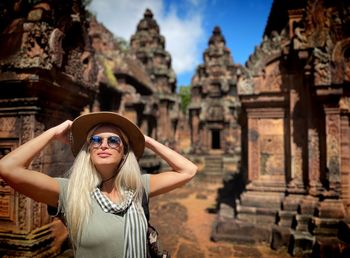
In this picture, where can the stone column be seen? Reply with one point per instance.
(314, 162)
(195, 129)
(333, 130)
(345, 162)
(26, 228)
(297, 126)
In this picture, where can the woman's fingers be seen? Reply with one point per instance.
(62, 131)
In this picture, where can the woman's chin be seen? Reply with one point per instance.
(105, 164)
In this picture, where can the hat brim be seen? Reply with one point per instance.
(84, 123)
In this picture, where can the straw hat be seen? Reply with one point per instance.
(84, 123)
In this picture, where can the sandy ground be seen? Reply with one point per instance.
(184, 223)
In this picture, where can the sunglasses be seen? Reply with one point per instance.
(112, 141)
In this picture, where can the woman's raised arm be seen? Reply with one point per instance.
(36, 185)
(183, 169)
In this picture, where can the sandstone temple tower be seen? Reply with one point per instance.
(47, 75)
(215, 107)
(295, 126)
(148, 45)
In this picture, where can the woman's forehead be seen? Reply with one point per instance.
(107, 129)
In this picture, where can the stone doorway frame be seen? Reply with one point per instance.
(215, 139)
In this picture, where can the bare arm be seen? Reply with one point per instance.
(14, 167)
(183, 169)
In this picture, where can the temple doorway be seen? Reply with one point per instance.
(215, 139)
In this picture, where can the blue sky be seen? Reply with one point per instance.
(188, 24)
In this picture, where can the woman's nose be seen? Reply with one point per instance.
(104, 143)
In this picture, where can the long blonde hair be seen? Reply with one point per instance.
(84, 178)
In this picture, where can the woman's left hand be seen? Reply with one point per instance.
(183, 169)
(62, 131)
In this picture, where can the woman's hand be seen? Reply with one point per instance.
(183, 169)
(147, 141)
(62, 131)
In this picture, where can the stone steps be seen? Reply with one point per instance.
(213, 168)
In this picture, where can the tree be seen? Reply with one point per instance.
(185, 95)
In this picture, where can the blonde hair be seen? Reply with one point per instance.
(84, 178)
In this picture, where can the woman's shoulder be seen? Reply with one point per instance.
(63, 183)
(145, 181)
(62, 180)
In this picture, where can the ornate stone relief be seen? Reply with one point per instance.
(269, 49)
(322, 68)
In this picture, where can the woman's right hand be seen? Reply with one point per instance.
(62, 131)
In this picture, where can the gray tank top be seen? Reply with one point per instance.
(104, 234)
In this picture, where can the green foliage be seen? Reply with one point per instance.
(185, 95)
(122, 43)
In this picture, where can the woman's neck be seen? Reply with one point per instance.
(110, 191)
(107, 186)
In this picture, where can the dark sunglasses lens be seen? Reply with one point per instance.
(95, 140)
(114, 141)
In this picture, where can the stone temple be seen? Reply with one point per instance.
(295, 133)
(214, 109)
(276, 130)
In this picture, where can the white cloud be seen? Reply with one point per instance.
(182, 30)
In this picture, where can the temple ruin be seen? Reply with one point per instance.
(278, 125)
(295, 132)
(148, 45)
(47, 74)
(214, 109)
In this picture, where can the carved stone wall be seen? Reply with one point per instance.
(47, 75)
(294, 91)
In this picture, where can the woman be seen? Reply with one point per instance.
(101, 200)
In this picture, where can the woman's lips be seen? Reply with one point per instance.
(103, 154)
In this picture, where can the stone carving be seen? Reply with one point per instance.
(215, 113)
(322, 72)
(245, 83)
(315, 159)
(38, 40)
(55, 45)
(302, 85)
(214, 99)
(340, 61)
(271, 48)
(333, 145)
(8, 125)
(7, 207)
(42, 43)
(313, 29)
(344, 104)
(28, 123)
(148, 46)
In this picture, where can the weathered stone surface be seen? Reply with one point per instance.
(295, 133)
(148, 46)
(214, 107)
(47, 75)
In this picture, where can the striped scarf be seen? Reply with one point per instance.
(135, 226)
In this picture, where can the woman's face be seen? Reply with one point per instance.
(106, 148)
